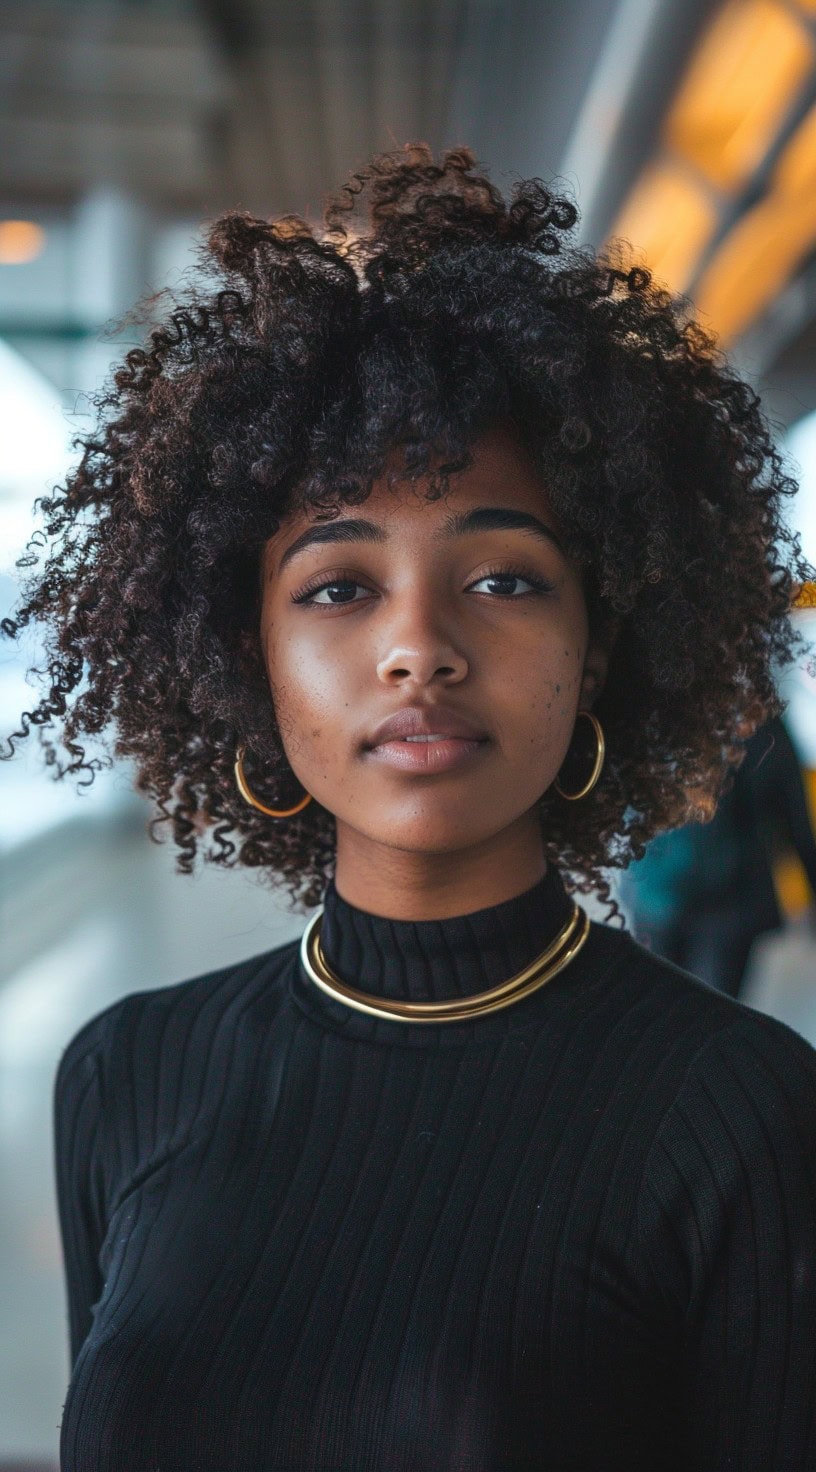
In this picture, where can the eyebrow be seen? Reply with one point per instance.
(478, 519)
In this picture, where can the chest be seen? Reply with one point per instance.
(370, 1270)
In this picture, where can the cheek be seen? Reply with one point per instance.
(539, 676)
(546, 699)
(539, 713)
(308, 692)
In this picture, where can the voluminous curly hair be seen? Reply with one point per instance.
(426, 309)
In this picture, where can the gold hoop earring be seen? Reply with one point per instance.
(247, 793)
(598, 763)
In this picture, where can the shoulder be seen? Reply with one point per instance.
(732, 1029)
(726, 1201)
(634, 978)
(726, 1107)
(739, 1123)
(137, 1025)
(754, 1081)
(693, 1031)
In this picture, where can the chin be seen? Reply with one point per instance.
(435, 832)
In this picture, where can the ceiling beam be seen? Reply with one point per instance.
(640, 64)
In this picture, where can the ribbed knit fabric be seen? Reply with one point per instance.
(579, 1233)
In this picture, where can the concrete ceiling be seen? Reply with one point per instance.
(193, 106)
(270, 103)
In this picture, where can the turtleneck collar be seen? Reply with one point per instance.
(431, 960)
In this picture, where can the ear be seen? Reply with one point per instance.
(596, 663)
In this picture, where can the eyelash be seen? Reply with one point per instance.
(539, 585)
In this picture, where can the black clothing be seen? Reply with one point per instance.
(578, 1233)
(714, 945)
(775, 818)
(726, 896)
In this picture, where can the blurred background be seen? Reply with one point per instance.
(687, 126)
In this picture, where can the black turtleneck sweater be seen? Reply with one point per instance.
(577, 1233)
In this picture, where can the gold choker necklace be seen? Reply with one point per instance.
(558, 954)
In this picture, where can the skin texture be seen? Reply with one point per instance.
(421, 623)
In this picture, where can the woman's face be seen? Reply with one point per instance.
(466, 608)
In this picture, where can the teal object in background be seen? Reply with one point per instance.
(652, 885)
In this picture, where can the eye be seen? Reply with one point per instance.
(510, 575)
(340, 590)
(336, 585)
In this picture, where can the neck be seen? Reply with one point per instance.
(439, 960)
(404, 885)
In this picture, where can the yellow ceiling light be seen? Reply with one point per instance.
(796, 169)
(755, 261)
(669, 217)
(751, 62)
(766, 246)
(20, 241)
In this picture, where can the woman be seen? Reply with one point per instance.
(398, 564)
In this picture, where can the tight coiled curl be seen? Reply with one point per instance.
(426, 309)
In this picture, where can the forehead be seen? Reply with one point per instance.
(501, 490)
(502, 472)
(500, 464)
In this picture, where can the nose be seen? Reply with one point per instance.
(421, 655)
(421, 667)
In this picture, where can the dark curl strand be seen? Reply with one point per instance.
(425, 309)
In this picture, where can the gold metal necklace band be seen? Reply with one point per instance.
(558, 954)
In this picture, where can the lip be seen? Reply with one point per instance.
(427, 756)
(425, 720)
(460, 740)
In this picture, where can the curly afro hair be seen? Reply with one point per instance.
(426, 308)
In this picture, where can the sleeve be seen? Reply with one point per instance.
(77, 1113)
(727, 1226)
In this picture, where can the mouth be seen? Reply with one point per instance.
(428, 754)
(427, 738)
